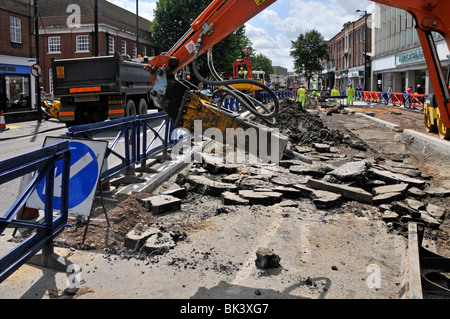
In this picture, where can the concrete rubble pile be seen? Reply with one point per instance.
(399, 191)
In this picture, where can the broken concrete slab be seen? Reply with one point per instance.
(216, 165)
(428, 220)
(396, 188)
(389, 216)
(252, 183)
(176, 191)
(415, 204)
(415, 193)
(305, 191)
(233, 178)
(264, 198)
(315, 170)
(435, 211)
(324, 200)
(288, 192)
(161, 204)
(437, 192)
(348, 192)
(289, 179)
(403, 208)
(229, 198)
(158, 244)
(386, 198)
(206, 186)
(370, 184)
(136, 237)
(266, 259)
(287, 203)
(393, 178)
(351, 171)
(321, 148)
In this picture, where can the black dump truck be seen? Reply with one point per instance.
(98, 88)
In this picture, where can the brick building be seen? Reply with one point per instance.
(17, 49)
(345, 65)
(62, 36)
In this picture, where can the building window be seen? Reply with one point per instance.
(124, 47)
(82, 43)
(54, 45)
(15, 30)
(144, 50)
(111, 45)
(134, 50)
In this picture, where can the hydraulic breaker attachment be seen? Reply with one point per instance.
(198, 116)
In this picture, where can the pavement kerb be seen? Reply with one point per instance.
(153, 181)
(439, 143)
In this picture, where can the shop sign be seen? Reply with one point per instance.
(14, 69)
(409, 57)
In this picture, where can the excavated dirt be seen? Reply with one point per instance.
(304, 128)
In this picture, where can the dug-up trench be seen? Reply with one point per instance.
(331, 219)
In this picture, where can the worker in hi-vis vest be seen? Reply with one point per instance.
(302, 96)
(335, 92)
(350, 95)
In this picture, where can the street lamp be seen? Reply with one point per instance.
(365, 47)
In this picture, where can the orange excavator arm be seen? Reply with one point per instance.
(217, 21)
(431, 16)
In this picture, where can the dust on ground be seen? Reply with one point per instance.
(303, 129)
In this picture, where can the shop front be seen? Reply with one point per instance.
(16, 87)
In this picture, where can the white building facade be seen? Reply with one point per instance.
(398, 58)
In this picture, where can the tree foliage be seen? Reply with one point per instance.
(172, 18)
(308, 51)
(262, 62)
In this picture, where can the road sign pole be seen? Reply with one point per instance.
(36, 31)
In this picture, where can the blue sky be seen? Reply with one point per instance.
(272, 31)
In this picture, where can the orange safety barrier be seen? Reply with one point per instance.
(370, 96)
(417, 100)
(397, 98)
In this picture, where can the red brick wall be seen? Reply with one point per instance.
(21, 11)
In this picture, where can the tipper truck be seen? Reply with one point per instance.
(97, 88)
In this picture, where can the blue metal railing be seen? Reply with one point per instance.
(43, 163)
(129, 129)
(126, 130)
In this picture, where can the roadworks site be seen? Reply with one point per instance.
(333, 229)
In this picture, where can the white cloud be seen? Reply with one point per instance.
(274, 37)
(273, 48)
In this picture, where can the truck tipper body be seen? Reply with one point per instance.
(95, 89)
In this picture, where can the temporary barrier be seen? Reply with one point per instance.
(417, 100)
(161, 127)
(397, 98)
(42, 162)
(408, 100)
(386, 97)
(125, 129)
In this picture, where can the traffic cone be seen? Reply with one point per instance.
(2, 122)
(25, 212)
